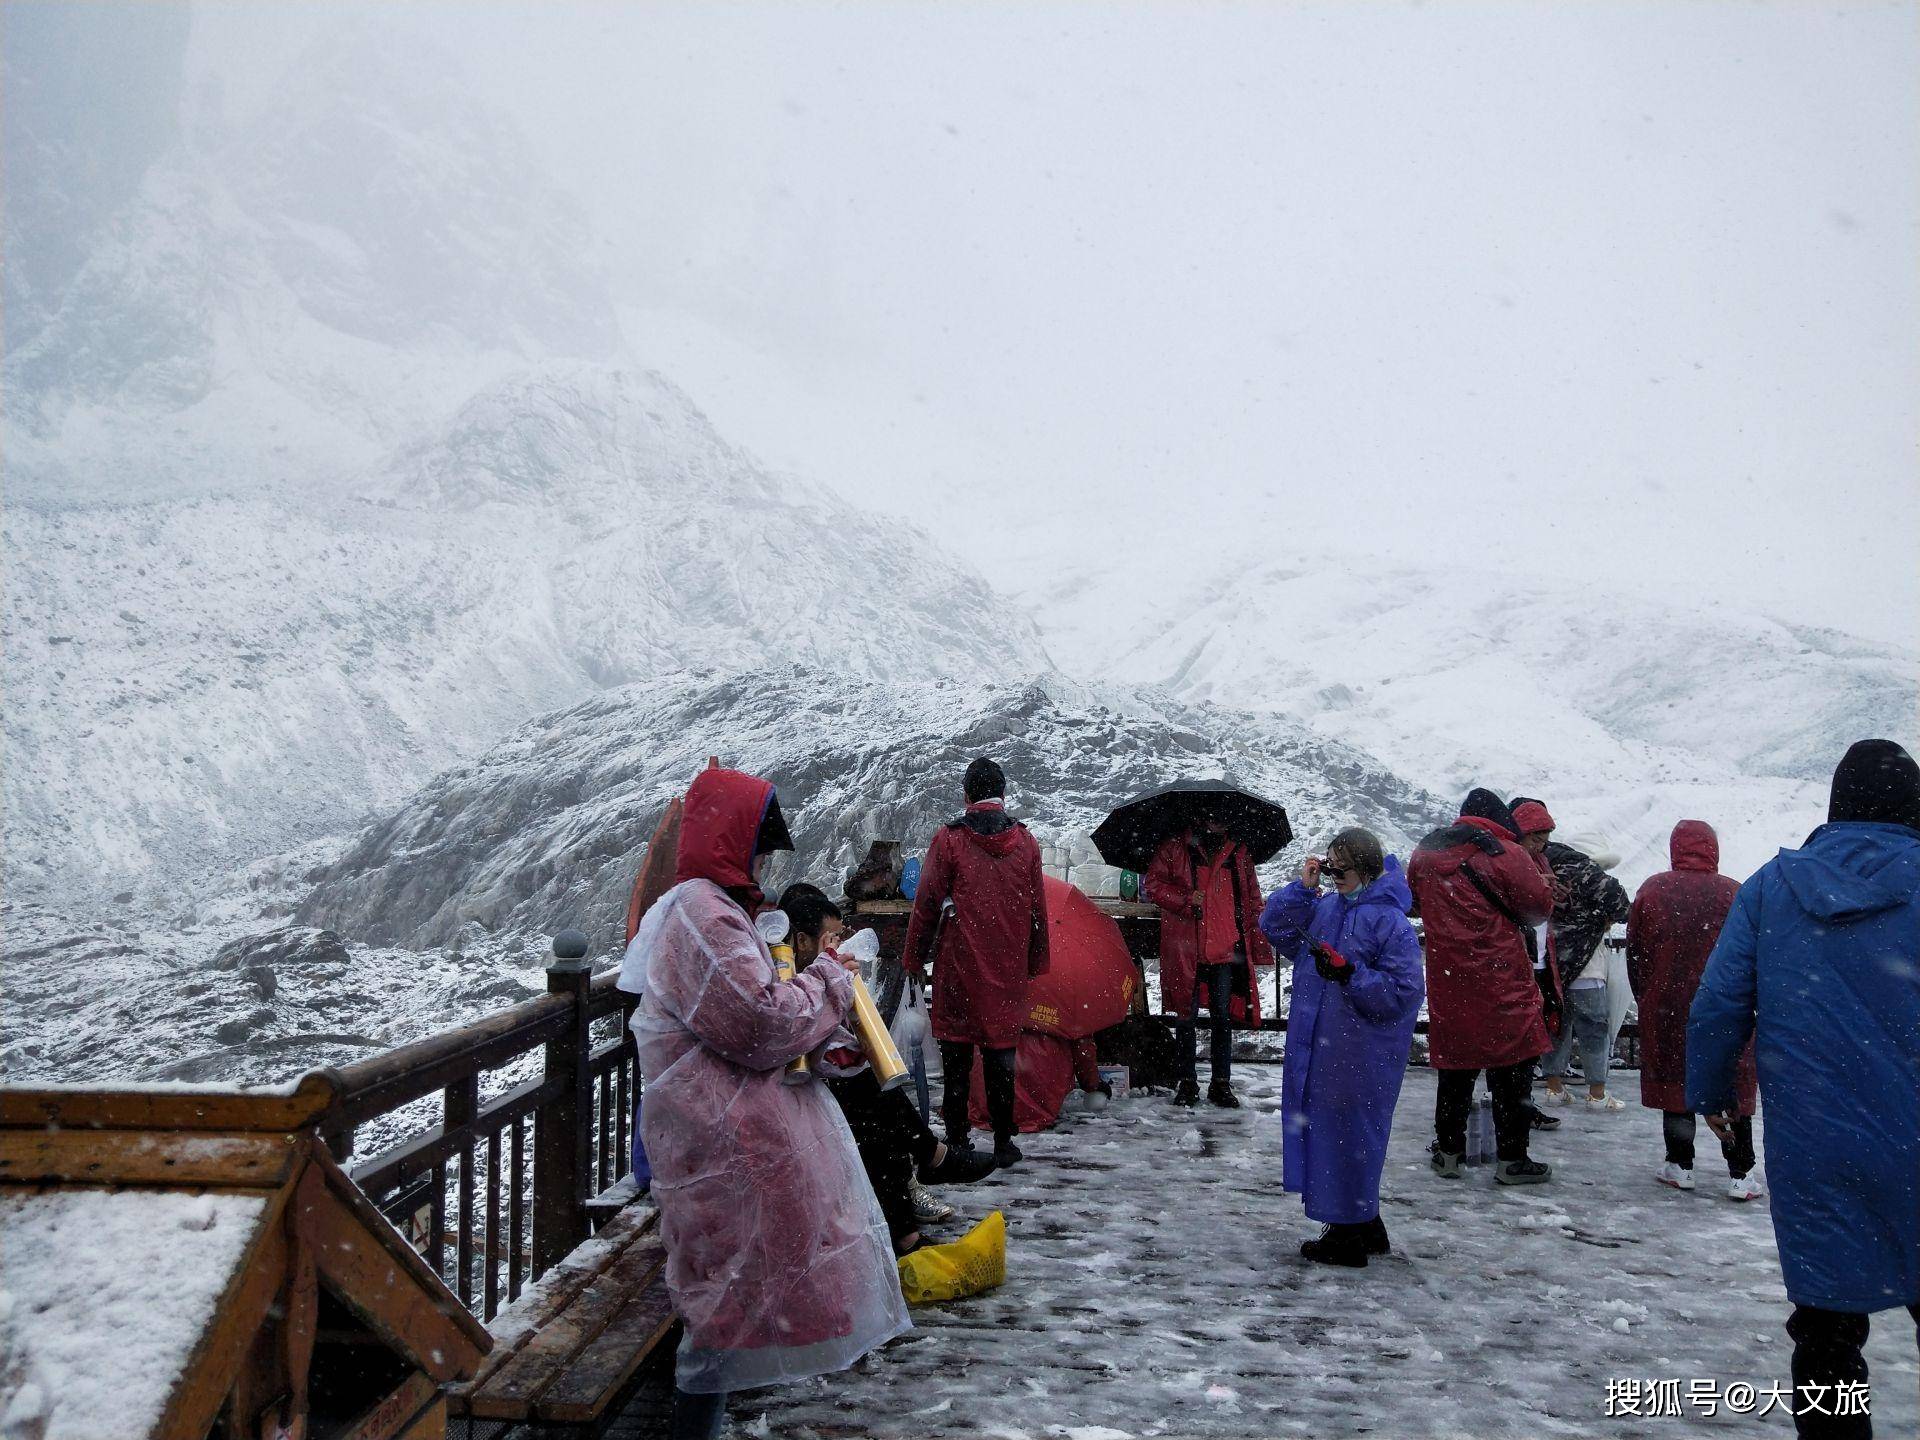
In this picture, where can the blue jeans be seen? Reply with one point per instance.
(1583, 1021)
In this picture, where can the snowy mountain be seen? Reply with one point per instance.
(283, 298)
(442, 909)
(1624, 714)
(193, 684)
(320, 478)
(354, 577)
(548, 828)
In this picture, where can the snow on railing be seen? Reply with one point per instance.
(556, 1076)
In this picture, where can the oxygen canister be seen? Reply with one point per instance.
(774, 927)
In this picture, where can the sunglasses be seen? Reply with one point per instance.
(1338, 872)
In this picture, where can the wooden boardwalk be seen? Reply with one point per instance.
(1155, 1288)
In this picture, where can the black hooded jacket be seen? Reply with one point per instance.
(1595, 902)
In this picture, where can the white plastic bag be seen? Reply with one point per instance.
(1482, 1146)
(909, 1026)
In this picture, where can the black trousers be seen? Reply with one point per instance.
(1214, 983)
(1679, 1127)
(956, 1084)
(697, 1417)
(1453, 1099)
(1826, 1355)
(893, 1142)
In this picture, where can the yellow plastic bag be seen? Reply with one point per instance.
(971, 1265)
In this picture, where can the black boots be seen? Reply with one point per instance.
(1348, 1245)
(960, 1167)
(1005, 1152)
(1219, 1092)
(1522, 1172)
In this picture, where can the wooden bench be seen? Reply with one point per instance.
(611, 1201)
(568, 1352)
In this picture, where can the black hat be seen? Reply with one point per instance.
(1485, 805)
(1876, 780)
(985, 781)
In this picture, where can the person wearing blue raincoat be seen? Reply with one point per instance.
(1819, 962)
(1357, 988)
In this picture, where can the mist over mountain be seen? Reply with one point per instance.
(276, 301)
(318, 482)
(360, 580)
(1625, 715)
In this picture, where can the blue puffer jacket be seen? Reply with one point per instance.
(1820, 962)
(1346, 1044)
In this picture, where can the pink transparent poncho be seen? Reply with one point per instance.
(778, 1259)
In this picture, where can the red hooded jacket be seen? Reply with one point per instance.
(989, 866)
(1473, 889)
(1671, 930)
(768, 1291)
(1187, 940)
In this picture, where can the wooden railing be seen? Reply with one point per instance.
(447, 1120)
(560, 1068)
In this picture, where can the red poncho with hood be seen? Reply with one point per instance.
(988, 864)
(1229, 918)
(778, 1259)
(1474, 888)
(1671, 930)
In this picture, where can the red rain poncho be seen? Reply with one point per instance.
(778, 1259)
(989, 866)
(1671, 930)
(1231, 918)
(1475, 889)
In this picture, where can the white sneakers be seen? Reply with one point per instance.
(1747, 1187)
(1671, 1174)
(1565, 1097)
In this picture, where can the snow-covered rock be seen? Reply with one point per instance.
(548, 828)
(193, 684)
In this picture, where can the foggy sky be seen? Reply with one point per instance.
(1626, 294)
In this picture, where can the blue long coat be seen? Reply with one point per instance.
(1346, 1044)
(1819, 961)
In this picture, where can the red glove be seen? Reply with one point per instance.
(1331, 964)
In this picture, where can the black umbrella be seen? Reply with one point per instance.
(1129, 836)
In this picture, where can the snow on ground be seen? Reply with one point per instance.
(1154, 1287)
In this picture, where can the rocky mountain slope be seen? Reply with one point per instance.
(548, 828)
(323, 473)
(442, 910)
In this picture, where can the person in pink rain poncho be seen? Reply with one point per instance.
(778, 1259)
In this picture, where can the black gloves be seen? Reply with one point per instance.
(1331, 964)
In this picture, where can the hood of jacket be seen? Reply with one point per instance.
(1694, 846)
(1483, 804)
(990, 827)
(720, 827)
(1851, 869)
(1390, 889)
(1876, 780)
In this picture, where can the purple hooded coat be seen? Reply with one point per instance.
(1347, 1044)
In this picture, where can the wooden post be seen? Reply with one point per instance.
(562, 1142)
